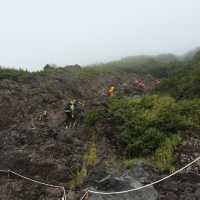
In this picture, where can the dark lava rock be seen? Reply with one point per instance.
(182, 186)
(103, 181)
(44, 154)
(187, 152)
(144, 173)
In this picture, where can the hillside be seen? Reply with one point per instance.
(184, 83)
(139, 135)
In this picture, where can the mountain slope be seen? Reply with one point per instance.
(136, 137)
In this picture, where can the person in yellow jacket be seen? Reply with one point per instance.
(111, 91)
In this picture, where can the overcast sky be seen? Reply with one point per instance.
(36, 32)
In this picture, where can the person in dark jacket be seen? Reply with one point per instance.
(70, 113)
(74, 112)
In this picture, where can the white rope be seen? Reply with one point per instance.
(83, 197)
(64, 193)
(98, 192)
(145, 186)
(35, 181)
(29, 179)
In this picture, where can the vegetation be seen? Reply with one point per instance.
(155, 65)
(13, 74)
(164, 156)
(158, 66)
(90, 158)
(184, 82)
(78, 178)
(150, 127)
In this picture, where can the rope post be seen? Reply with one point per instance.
(85, 196)
(9, 184)
(64, 193)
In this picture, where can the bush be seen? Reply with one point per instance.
(93, 116)
(145, 123)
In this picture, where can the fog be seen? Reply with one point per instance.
(36, 32)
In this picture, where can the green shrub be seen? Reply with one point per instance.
(164, 156)
(145, 123)
(93, 116)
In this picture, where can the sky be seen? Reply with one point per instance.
(63, 32)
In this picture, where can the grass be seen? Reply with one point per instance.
(78, 178)
(164, 157)
(90, 158)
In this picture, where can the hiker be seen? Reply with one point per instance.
(139, 84)
(79, 114)
(103, 93)
(43, 116)
(69, 112)
(74, 114)
(156, 82)
(111, 91)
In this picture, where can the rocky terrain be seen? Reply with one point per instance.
(42, 149)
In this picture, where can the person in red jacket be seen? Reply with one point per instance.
(156, 82)
(139, 84)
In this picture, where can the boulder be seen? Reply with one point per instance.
(111, 183)
(144, 173)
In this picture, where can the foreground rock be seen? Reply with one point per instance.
(180, 187)
(44, 154)
(103, 181)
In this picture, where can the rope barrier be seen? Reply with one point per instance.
(64, 194)
(29, 179)
(98, 192)
(145, 186)
(35, 181)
